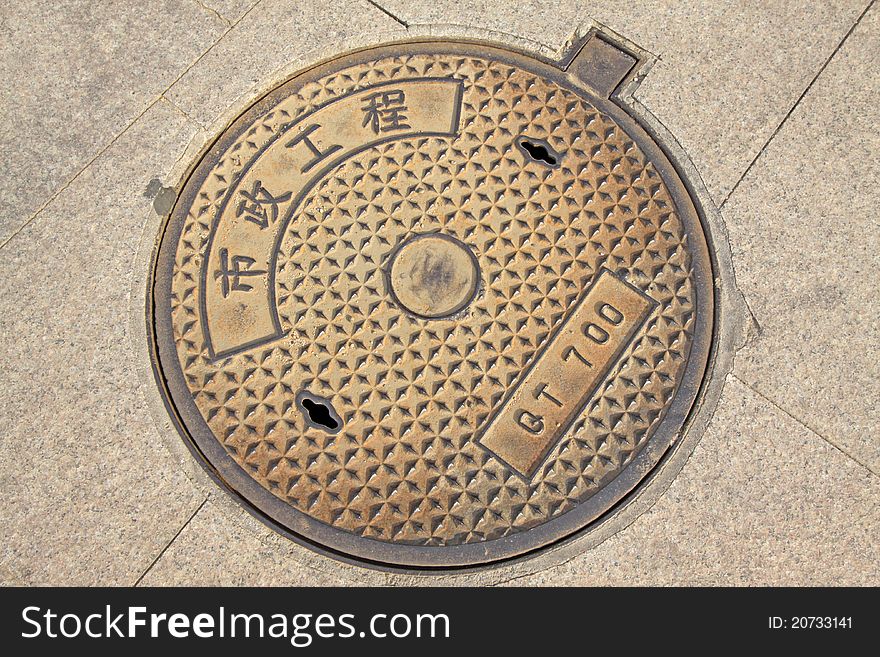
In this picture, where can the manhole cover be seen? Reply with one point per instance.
(434, 304)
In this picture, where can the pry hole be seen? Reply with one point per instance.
(319, 413)
(537, 151)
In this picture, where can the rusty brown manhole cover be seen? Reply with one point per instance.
(434, 304)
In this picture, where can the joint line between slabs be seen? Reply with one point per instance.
(388, 13)
(796, 103)
(75, 176)
(168, 545)
(805, 425)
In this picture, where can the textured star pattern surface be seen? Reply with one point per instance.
(414, 394)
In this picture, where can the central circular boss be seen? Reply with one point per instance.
(433, 275)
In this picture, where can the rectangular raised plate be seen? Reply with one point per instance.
(565, 375)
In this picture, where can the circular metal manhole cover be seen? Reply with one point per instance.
(434, 304)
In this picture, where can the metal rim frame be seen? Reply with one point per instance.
(385, 555)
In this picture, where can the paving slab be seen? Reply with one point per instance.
(549, 23)
(805, 236)
(230, 10)
(275, 35)
(728, 72)
(762, 501)
(216, 549)
(90, 494)
(76, 74)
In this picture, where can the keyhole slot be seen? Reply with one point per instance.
(538, 150)
(319, 413)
